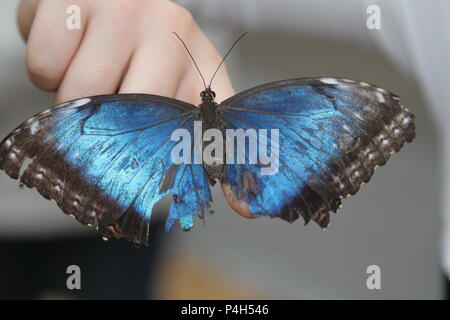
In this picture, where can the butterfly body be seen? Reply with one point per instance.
(211, 118)
(106, 160)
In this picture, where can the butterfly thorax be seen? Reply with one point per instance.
(208, 108)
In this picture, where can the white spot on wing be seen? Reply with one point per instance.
(329, 80)
(30, 120)
(80, 102)
(34, 127)
(357, 115)
(380, 97)
(364, 84)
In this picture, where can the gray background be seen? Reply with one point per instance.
(392, 222)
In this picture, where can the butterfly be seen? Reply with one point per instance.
(107, 160)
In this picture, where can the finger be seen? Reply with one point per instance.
(51, 45)
(25, 16)
(240, 206)
(208, 59)
(156, 67)
(100, 62)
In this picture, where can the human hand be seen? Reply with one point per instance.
(122, 46)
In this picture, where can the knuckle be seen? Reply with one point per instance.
(178, 15)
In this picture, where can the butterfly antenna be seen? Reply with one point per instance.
(221, 62)
(184, 45)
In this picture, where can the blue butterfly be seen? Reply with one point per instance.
(106, 160)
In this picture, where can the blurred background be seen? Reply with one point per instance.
(393, 222)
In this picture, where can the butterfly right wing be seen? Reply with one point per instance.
(333, 134)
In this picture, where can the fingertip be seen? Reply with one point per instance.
(51, 45)
(26, 12)
(240, 206)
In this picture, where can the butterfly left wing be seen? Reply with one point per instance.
(333, 133)
(106, 160)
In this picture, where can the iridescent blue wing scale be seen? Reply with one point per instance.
(333, 134)
(106, 160)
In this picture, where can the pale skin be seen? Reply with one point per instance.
(123, 46)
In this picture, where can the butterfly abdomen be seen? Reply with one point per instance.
(211, 119)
